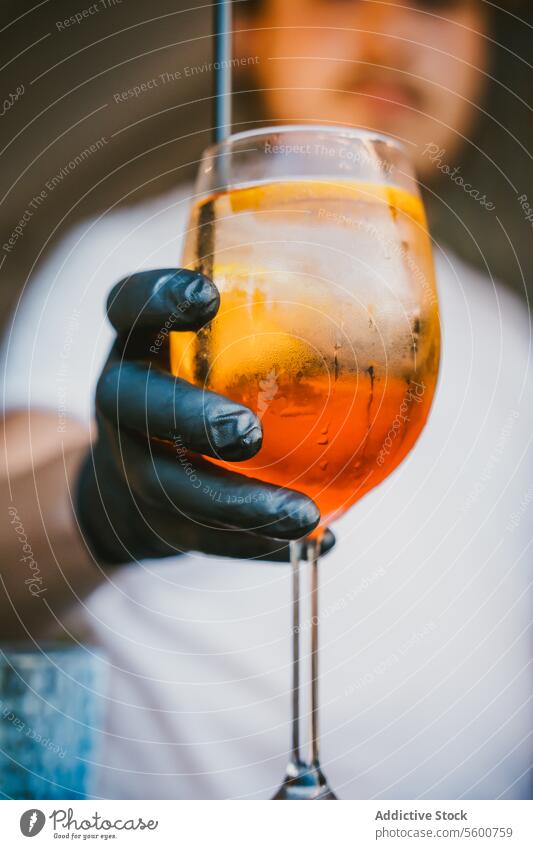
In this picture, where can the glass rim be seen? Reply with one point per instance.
(354, 133)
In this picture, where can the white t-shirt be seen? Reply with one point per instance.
(426, 679)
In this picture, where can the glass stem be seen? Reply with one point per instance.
(313, 551)
(295, 548)
(309, 633)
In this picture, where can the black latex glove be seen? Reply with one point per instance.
(143, 490)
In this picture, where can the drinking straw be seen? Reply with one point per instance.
(222, 67)
(205, 237)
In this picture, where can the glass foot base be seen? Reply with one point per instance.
(304, 782)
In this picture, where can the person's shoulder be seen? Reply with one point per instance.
(161, 211)
(487, 333)
(491, 305)
(117, 241)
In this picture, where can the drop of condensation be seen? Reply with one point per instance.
(416, 332)
(324, 435)
(323, 466)
(337, 345)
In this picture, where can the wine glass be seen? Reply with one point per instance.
(328, 329)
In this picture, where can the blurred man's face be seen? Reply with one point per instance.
(414, 70)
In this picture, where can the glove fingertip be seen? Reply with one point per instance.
(197, 299)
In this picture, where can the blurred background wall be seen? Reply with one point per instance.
(61, 90)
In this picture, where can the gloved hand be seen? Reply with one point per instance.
(143, 490)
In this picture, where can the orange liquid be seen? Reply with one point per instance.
(341, 377)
